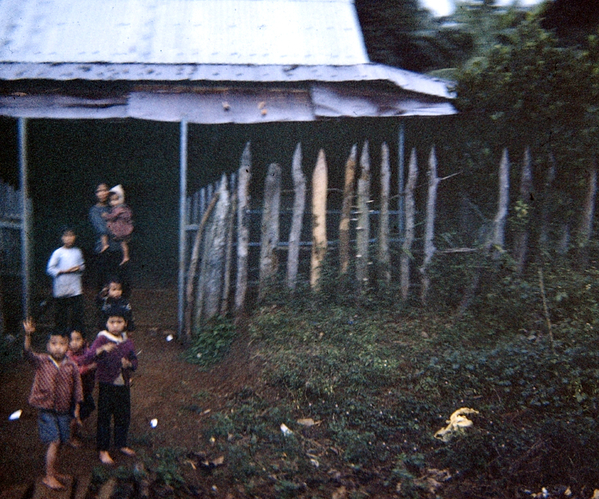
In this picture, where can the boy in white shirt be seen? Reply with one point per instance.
(66, 266)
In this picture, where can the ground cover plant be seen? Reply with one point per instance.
(352, 394)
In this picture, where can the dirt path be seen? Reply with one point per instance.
(165, 388)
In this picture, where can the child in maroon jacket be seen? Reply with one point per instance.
(56, 390)
(114, 353)
(78, 348)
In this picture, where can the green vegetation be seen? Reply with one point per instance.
(361, 390)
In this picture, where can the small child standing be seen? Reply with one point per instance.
(56, 390)
(119, 220)
(66, 266)
(111, 296)
(78, 348)
(115, 356)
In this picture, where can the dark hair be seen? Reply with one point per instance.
(117, 311)
(58, 332)
(114, 280)
(67, 228)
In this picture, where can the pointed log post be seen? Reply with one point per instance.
(213, 276)
(587, 214)
(224, 309)
(383, 257)
(406, 250)
(546, 206)
(243, 228)
(524, 212)
(269, 240)
(363, 228)
(319, 213)
(429, 230)
(502, 207)
(348, 196)
(299, 205)
(193, 265)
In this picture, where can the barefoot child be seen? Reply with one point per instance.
(56, 390)
(78, 348)
(115, 356)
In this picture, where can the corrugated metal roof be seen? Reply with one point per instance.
(217, 73)
(279, 32)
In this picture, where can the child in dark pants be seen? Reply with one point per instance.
(114, 354)
(56, 390)
(78, 348)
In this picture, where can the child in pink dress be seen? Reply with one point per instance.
(119, 220)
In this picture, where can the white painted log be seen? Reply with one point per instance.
(526, 194)
(348, 197)
(363, 228)
(243, 228)
(410, 206)
(269, 230)
(319, 227)
(229, 254)
(297, 219)
(383, 257)
(429, 228)
(502, 205)
(213, 275)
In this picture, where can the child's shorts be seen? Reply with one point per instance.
(54, 426)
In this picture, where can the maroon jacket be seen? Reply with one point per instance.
(109, 363)
(55, 387)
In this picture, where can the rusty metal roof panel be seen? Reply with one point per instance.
(256, 32)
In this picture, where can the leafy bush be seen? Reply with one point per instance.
(212, 342)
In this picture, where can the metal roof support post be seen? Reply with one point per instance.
(401, 182)
(182, 223)
(26, 217)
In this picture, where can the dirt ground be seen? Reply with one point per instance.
(177, 394)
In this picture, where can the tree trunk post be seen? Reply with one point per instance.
(269, 241)
(243, 228)
(363, 228)
(429, 230)
(299, 205)
(587, 214)
(383, 257)
(406, 249)
(524, 211)
(348, 196)
(319, 228)
(229, 253)
(502, 205)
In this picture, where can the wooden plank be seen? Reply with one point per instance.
(243, 229)
(363, 228)
(383, 256)
(406, 250)
(429, 229)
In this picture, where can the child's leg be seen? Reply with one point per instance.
(78, 314)
(61, 313)
(122, 419)
(51, 458)
(105, 408)
(125, 249)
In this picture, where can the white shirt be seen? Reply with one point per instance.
(66, 285)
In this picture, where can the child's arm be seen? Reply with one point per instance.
(52, 269)
(29, 327)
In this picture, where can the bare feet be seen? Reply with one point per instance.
(127, 451)
(125, 260)
(51, 482)
(105, 458)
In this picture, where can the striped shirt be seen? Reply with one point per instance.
(56, 386)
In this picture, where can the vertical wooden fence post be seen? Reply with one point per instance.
(319, 214)
(363, 228)
(406, 250)
(526, 195)
(502, 208)
(299, 205)
(243, 229)
(348, 196)
(429, 230)
(383, 259)
(269, 240)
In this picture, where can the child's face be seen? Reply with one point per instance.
(115, 290)
(116, 325)
(57, 346)
(113, 200)
(68, 239)
(77, 342)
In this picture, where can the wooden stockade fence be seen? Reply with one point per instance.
(225, 230)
